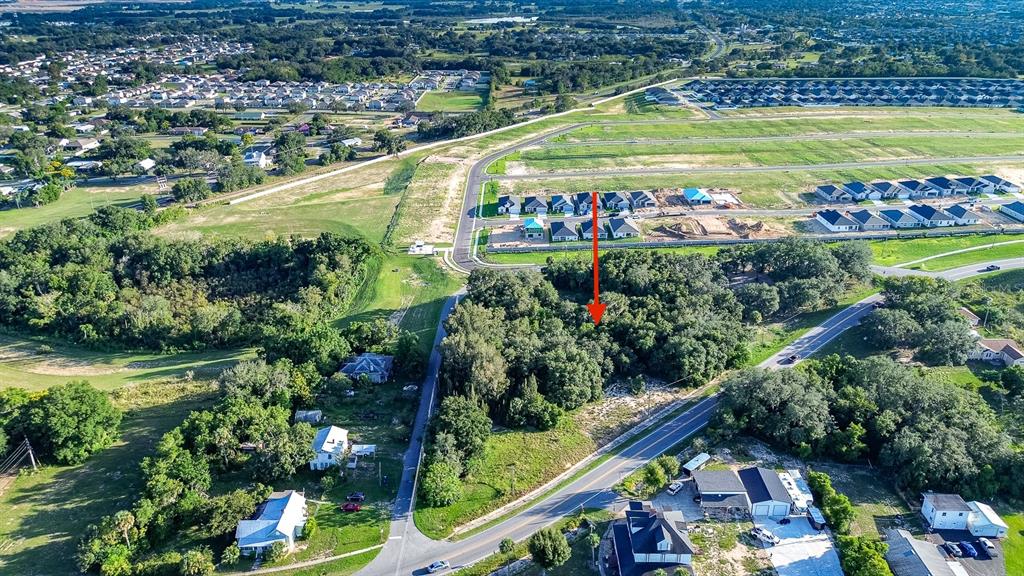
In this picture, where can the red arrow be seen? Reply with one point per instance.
(597, 308)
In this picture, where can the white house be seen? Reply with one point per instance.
(963, 215)
(945, 511)
(1014, 210)
(623, 228)
(329, 446)
(834, 221)
(259, 157)
(279, 519)
(1002, 350)
(510, 205)
(1001, 184)
(985, 522)
(931, 217)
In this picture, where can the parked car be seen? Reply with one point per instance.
(989, 547)
(764, 536)
(351, 507)
(952, 549)
(784, 521)
(356, 497)
(438, 566)
(674, 488)
(968, 549)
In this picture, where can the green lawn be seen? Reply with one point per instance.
(1013, 546)
(973, 257)
(45, 513)
(80, 201)
(768, 153)
(536, 457)
(893, 252)
(876, 504)
(434, 101)
(38, 363)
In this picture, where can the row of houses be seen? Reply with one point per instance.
(959, 92)
(916, 216)
(935, 187)
(462, 80)
(580, 204)
(567, 231)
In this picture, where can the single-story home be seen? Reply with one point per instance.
(908, 556)
(930, 216)
(1014, 210)
(376, 367)
(562, 204)
(963, 215)
(535, 205)
(943, 185)
(861, 191)
(1003, 350)
(869, 221)
(834, 221)
(623, 228)
(642, 199)
(887, 189)
(1001, 184)
(280, 519)
(563, 232)
(696, 196)
(832, 193)
(917, 189)
(510, 205)
(647, 540)
(722, 494)
(615, 201)
(899, 218)
(584, 202)
(329, 446)
(533, 228)
(587, 227)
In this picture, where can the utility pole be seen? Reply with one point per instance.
(31, 456)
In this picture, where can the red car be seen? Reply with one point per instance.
(351, 507)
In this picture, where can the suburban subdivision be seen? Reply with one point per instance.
(559, 287)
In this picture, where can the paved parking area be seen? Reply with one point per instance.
(803, 551)
(682, 501)
(983, 565)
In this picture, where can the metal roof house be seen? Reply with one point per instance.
(696, 196)
(329, 446)
(908, 556)
(768, 496)
(279, 519)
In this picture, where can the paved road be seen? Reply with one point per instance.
(655, 170)
(816, 338)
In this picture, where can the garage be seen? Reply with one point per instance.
(768, 497)
(780, 510)
(762, 510)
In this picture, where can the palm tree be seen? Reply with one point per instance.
(595, 542)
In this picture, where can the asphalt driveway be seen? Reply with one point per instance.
(802, 551)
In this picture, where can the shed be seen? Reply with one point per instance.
(696, 463)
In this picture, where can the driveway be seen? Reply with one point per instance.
(682, 501)
(983, 565)
(803, 551)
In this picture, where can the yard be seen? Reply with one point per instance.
(435, 101)
(80, 201)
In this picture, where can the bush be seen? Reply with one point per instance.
(440, 485)
(277, 551)
(231, 554)
(198, 562)
(861, 556)
(191, 190)
(549, 548)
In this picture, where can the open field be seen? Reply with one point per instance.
(488, 484)
(862, 120)
(80, 201)
(973, 257)
(430, 204)
(769, 189)
(434, 101)
(45, 513)
(877, 506)
(38, 363)
(894, 252)
(1013, 546)
(767, 153)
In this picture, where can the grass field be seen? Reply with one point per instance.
(859, 121)
(38, 363)
(767, 153)
(1013, 546)
(876, 504)
(434, 101)
(973, 257)
(894, 252)
(768, 189)
(80, 201)
(535, 457)
(45, 513)
(431, 202)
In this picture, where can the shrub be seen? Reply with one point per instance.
(549, 548)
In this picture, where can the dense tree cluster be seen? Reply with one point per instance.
(247, 433)
(923, 432)
(863, 556)
(103, 281)
(65, 424)
(457, 126)
(921, 313)
(836, 507)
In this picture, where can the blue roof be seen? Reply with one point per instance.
(1017, 207)
(855, 187)
(692, 194)
(532, 223)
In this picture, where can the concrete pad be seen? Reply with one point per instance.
(682, 502)
(802, 551)
(878, 203)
